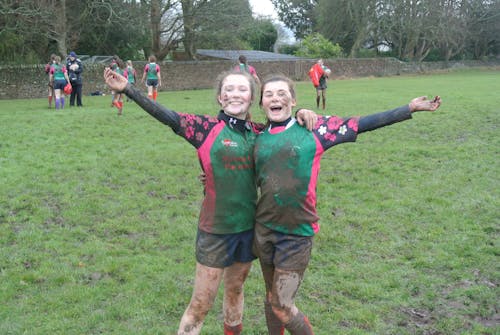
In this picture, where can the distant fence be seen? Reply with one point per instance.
(30, 81)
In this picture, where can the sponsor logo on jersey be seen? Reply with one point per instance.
(228, 143)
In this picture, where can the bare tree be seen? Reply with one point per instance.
(483, 26)
(450, 33)
(191, 10)
(166, 26)
(349, 23)
(38, 17)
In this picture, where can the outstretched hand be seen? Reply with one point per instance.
(424, 104)
(115, 81)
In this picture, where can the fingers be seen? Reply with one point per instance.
(424, 104)
(307, 118)
(309, 122)
(314, 121)
(108, 73)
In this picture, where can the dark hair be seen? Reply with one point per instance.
(277, 77)
(152, 59)
(120, 63)
(242, 59)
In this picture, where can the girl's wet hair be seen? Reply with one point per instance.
(274, 78)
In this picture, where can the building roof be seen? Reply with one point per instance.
(251, 55)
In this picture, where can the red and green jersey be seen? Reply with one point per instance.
(152, 70)
(119, 70)
(287, 163)
(58, 71)
(130, 74)
(225, 151)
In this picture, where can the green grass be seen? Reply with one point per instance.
(98, 216)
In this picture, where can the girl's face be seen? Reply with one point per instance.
(277, 101)
(235, 96)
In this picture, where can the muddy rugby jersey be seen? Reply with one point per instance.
(287, 164)
(225, 152)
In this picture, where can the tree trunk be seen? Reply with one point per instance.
(155, 17)
(189, 28)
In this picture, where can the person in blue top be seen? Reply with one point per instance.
(287, 163)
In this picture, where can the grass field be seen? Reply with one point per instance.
(98, 216)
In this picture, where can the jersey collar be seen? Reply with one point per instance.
(284, 124)
(238, 124)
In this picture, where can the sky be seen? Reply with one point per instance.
(266, 8)
(263, 7)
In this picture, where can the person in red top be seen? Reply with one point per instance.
(318, 74)
(226, 223)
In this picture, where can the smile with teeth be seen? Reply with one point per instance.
(276, 108)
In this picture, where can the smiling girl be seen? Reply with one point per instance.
(287, 163)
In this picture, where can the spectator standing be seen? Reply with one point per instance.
(130, 73)
(318, 73)
(112, 66)
(58, 77)
(152, 77)
(118, 67)
(75, 68)
(244, 67)
(50, 86)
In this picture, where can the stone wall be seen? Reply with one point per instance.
(30, 81)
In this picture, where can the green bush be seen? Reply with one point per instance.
(317, 46)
